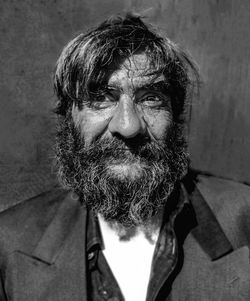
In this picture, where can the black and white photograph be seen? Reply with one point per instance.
(125, 150)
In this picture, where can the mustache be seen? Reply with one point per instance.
(138, 148)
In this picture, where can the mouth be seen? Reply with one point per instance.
(125, 149)
(126, 170)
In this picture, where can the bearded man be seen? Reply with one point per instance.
(129, 223)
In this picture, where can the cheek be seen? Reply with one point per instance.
(158, 123)
(90, 124)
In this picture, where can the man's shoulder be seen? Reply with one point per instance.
(23, 224)
(230, 203)
(227, 190)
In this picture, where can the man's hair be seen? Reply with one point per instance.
(87, 60)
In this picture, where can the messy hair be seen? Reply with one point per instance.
(85, 62)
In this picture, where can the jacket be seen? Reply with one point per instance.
(43, 246)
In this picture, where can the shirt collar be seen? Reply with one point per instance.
(94, 237)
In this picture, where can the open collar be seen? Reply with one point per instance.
(196, 216)
(193, 215)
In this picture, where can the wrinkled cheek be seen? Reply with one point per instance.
(92, 125)
(158, 123)
(91, 131)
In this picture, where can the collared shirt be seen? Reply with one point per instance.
(102, 284)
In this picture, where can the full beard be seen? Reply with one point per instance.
(127, 198)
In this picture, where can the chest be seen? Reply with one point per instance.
(130, 263)
(198, 278)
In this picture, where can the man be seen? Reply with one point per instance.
(129, 223)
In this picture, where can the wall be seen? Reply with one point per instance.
(32, 36)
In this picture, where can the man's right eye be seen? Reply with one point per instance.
(102, 101)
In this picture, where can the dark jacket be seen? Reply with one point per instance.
(43, 251)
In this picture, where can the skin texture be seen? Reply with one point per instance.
(130, 108)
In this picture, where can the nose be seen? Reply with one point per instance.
(126, 120)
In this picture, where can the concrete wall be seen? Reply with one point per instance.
(33, 33)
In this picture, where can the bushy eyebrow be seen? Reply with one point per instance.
(161, 86)
(154, 85)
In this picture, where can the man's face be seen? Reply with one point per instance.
(133, 108)
(121, 151)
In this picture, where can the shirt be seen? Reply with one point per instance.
(101, 282)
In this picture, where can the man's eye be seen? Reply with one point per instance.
(152, 101)
(102, 101)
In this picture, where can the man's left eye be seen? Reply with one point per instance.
(152, 101)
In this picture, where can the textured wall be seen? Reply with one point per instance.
(32, 36)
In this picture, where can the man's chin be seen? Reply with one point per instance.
(123, 171)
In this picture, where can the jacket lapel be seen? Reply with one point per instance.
(56, 268)
(208, 231)
(211, 270)
(52, 242)
(223, 279)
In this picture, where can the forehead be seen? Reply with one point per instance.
(137, 70)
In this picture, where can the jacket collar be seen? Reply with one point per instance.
(70, 214)
(206, 228)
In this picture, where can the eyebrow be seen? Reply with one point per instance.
(161, 85)
(155, 86)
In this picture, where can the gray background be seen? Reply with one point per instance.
(33, 32)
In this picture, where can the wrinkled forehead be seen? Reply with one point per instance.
(137, 68)
(138, 63)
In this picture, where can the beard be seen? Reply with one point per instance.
(127, 197)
